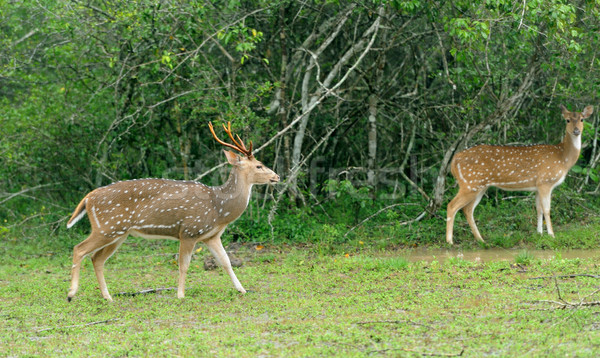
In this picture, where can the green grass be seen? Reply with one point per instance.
(524, 258)
(359, 301)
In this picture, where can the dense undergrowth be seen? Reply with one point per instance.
(353, 219)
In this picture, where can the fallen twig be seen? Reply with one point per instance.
(434, 354)
(394, 322)
(78, 325)
(143, 292)
(565, 276)
(565, 304)
(562, 303)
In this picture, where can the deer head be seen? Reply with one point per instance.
(575, 122)
(253, 171)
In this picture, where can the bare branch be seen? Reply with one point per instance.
(14, 195)
(419, 217)
(25, 37)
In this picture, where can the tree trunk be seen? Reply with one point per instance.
(282, 112)
(372, 143)
(326, 85)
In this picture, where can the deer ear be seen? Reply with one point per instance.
(565, 111)
(587, 111)
(232, 158)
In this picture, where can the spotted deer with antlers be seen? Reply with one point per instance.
(538, 168)
(187, 211)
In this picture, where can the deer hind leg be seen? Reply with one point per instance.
(468, 211)
(186, 249)
(216, 248)
(99, 258)
(545, 194)
(463, 198)
(93, 243)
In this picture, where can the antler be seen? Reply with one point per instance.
(238, 144)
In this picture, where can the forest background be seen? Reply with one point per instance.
(358, 105)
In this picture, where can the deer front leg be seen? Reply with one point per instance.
(186, 249)
(545, 194)
(216, 248)
(540, 213)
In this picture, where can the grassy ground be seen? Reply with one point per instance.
(356, 301)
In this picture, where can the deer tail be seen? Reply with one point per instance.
(77, 214)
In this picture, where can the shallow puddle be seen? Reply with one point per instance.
(494, 254)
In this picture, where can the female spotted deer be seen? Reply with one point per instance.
(156, 208)
(538, 168)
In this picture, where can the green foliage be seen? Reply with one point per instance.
(592, 173)
(245, 40)
(95, 93)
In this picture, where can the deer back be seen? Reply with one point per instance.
(510, 167)
(157, 207)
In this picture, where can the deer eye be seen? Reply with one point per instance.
(259, 167)
(568, 121)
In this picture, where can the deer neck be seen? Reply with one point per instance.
(571, 146)
(232, 197)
